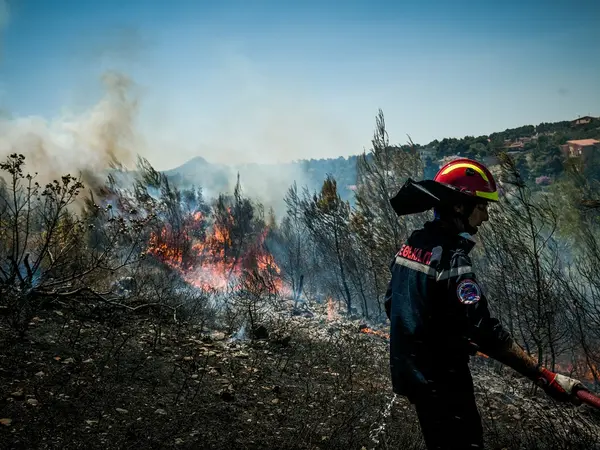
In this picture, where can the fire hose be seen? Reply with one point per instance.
(578, 391)
(588, 398)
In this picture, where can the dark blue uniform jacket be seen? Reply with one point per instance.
(437, 311)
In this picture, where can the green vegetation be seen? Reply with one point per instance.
(536, 149)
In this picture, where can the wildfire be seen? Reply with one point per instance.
(331, 312)
(210, 260)
(592, 373)
(379, 333)
(157, 246)
(588, 372)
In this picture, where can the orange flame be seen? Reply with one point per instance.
(331, 312)
(206, 261)
(580, 367)
(381, 334)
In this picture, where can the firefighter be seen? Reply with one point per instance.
(439, 313)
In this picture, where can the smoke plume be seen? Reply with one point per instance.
(86, 145)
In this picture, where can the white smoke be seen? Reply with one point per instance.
(258, 121)
(262, 116)
(88, 143)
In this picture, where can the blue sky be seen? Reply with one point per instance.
(275, 81)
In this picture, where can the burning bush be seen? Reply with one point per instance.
(218, 248)
(214, 252)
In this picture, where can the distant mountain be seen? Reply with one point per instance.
(266, 182)
(195, 166)
(199, 172)
(269, 182)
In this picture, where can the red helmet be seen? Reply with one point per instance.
(469, 177)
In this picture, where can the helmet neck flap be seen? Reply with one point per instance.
(460, 182)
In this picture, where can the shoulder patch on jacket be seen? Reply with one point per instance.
(468, 292)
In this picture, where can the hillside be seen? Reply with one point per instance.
(537, 148)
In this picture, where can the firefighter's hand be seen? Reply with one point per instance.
(559, 387)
